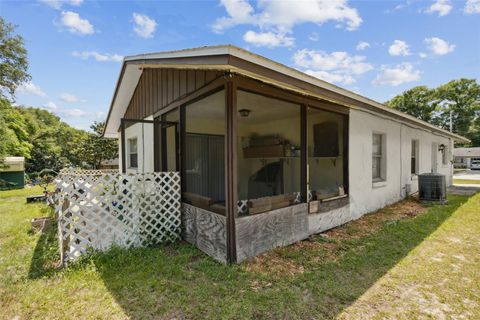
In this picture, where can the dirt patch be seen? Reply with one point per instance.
(271, 263)
(169, 250)
(372, 222)
(327, 246)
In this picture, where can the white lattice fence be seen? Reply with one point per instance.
(97, 209)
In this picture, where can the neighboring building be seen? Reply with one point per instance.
(268, 155)
(463, 157)
(13, 174)
(110, 164)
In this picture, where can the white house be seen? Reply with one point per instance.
(463, 156)
(268, 155)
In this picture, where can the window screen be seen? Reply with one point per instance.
(414, 157)
(133, 154)
(377, 157)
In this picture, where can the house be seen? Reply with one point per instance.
(462, 157)
(268, 155)
(110, 164)
(12, 173)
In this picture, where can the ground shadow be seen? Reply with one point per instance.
(178, 281)
(45, 258)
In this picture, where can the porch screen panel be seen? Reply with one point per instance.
(171, 140)
(202, 166)
(268, 158)
(325, 135)
(204, 158)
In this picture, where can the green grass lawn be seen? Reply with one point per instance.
(403, 262)
(465, 181)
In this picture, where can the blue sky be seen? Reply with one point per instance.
(376, 48)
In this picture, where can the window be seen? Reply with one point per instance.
(326, 156)
(378, 157)
(414, 158)
(132, 152)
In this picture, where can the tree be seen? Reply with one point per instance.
(418, 102)
(97, 148)
(459, 99)
(43, 132)
(13, 61)
(462, 98)
(13, 132)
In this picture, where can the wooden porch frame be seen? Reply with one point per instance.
(232, 83)
(124, 121)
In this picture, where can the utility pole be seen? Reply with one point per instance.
(451, 122)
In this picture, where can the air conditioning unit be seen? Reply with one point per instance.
(432, 187)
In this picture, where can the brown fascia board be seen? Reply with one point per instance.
(334, 96)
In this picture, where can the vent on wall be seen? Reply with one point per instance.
(432, 187)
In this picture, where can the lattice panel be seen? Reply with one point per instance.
(96, 210)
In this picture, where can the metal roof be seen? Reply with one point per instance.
(131, 72)
(467, 152)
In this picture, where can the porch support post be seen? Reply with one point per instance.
(303, 154)
(182, 148)
(157, 145)
(122, 142)
(231, 168)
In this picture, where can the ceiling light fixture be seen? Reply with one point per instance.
(244, 112)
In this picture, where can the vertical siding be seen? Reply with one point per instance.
(157, 88)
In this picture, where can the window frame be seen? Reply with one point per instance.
(130, 153)
(415, 157)
(382, 156)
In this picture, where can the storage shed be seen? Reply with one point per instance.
(12, 175)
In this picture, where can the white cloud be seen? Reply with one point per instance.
(75, 23)
(442, 7)
(399, 48)
(397, 75)
(334, 67)
(472, 6)
(67, 97)
(268, 39)
(50, 106)
(362, 45)
(76, 113)
(144, 25)
(313, 36)
(422, 55)
(57, 4)
(280, 17)
(399, 6)
(97, 56)
(239, 12)
(100, 115)
(32, 89)
(331, 77)
(439, 46)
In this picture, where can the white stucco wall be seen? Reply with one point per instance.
(366, 196)
(144, 135)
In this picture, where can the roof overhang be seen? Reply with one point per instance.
(219, 58)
